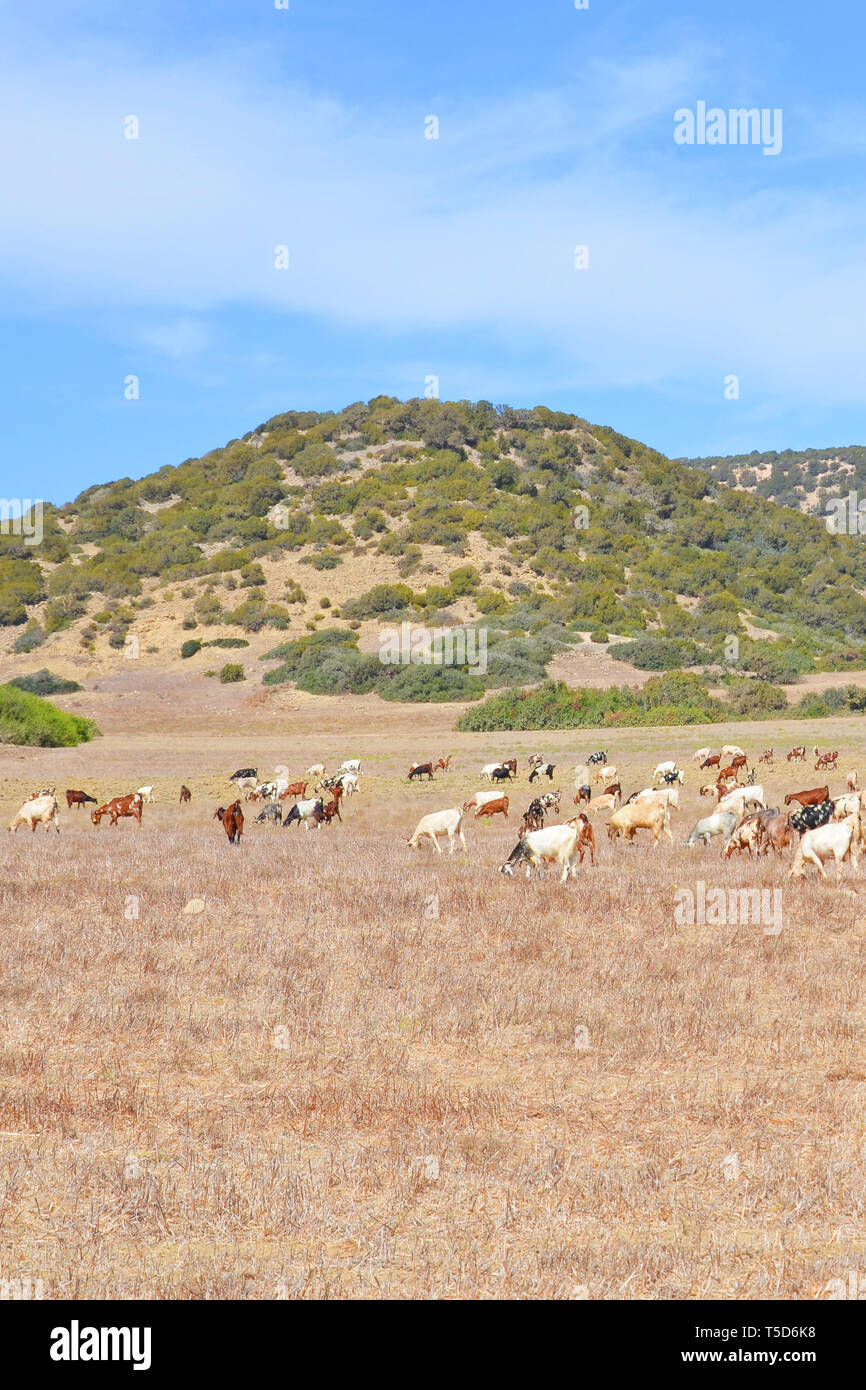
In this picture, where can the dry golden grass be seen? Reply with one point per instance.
(362, 1072)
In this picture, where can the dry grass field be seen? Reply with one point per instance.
(360, 1072)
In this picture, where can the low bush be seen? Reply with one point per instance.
(232, 672)
(29, 720)
(45, 682)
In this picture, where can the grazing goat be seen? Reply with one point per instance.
(749, 834)
(438, 823)
(492, 808)
(826, 760)
(798, 754)
(38, 810)
(546, 770)
(420, 770)
(839, 841)
(719, 823)
(444, 763)
(555, 844)
(74, 798)
(147, 793)
(247, 777)
(119, 806)
(852, 782)
(332, 808)
(732, 750)
(607, 773)
(310, 812)
(603, 802)
(535, 759)
(662, 769)
(296, 789)
(582, 794)
(811, 817)
(533, 818)
(185, 794)
(585, 837)
(479, 799)
(813, 797)
(847, 805)
(767, 756)
(663, 796)
(741, 798)
(711, 760)
(600, 757)
(646, 815)
(778, 832)
(273, 813)
(700, 754)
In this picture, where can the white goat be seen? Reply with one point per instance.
(838, 840)
(437, 823)
(555, 844)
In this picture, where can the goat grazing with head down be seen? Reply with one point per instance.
(449, 822)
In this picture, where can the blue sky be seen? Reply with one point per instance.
(411, 257)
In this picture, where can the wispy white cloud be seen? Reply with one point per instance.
(691, 275)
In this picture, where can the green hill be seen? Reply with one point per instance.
(532, 522)
(807, 479)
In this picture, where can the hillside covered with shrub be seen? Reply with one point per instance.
(534, 523)
(808, 479)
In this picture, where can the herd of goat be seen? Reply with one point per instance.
(829, 827)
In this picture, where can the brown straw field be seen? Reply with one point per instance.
(363, 1072)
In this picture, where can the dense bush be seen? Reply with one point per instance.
(231, 672)
(555, 705)
(44, 682)
(657, 653)
(190, 647)
(28, 641)
(28, 719)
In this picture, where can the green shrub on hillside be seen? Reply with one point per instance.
(44, 682)
(29, 720)
(554, 705)
(658, 653)
(379, 601)
(29, 640)
(232, 672)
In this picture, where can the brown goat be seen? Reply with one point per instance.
(813, 797)
(233, 822)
